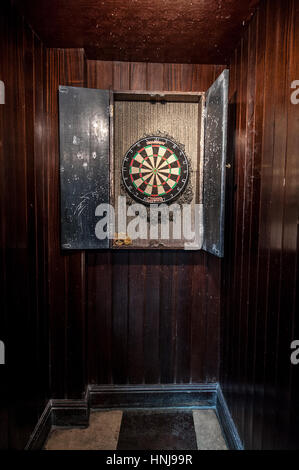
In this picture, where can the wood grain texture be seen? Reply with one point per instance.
(23, 321)
(259, 271)
(101, 317)
(147, 312)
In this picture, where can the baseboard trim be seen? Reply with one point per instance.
(136, 396)
(66, 413)
(41, 430)
(227, 423)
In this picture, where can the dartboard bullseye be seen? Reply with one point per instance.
(155, 170)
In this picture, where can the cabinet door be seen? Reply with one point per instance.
(84, 164)
(216, 106)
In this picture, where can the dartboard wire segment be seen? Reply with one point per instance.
(155, 170)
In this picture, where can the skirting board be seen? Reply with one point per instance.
(75, 413)
(158, 396)
(227, 424)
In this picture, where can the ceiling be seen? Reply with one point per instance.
(179, 31)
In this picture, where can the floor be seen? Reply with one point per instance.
(143, 429)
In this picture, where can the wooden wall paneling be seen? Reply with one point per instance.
(120, 295)
(108, 31)
(249, 255)
(200, 346)
(138, 76)
(20, 236)
(99, 74)
(23, 241)
(57, 262)
(121, 75)
(265, 222)
(234, 252)
(136, 303)
(140, 319)
(212, 361)
(167, 319)
(259, 296)
(155, 77)
(287, 374)
(42, 349)
(255, 319)
(239, 241)
(227, 317)
(151, 314)
(183, 314)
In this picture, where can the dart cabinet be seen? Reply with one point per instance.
(149, 147)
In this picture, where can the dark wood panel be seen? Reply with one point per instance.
(133, 318)
(99, 351)
(259, 271)
(103, 318)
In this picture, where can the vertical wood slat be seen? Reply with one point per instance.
(56, 268)
(270, 432)
(120, 294)
(120, 323)
(255, 258)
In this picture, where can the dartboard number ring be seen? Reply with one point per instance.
(155, 170)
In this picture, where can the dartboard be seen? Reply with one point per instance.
(155, 170)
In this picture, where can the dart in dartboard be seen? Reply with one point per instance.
(155, 169)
